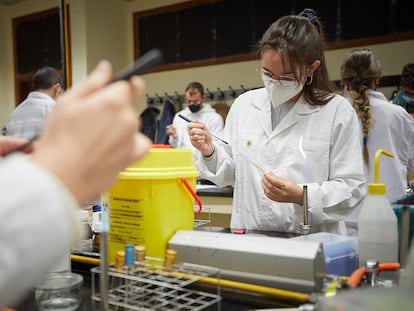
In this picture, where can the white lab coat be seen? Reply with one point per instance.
(38, 223)
(207, 115)
(319, 146)
(392, 129)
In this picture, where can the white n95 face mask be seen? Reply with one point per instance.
(280, 94)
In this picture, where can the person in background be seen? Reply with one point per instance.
(405, 95)
(383, 126)
(28, 118)
(198, 110)
(71, 163)
(297, 130)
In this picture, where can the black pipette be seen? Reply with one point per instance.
(147, 61)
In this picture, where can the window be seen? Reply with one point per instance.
(208, 32)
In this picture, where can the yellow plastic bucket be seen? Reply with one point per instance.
(151, 200)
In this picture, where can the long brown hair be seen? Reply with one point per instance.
(301, 38)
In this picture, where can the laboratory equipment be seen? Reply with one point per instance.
(377, 222)
(150, 285)
(256, 259)
(59, 291)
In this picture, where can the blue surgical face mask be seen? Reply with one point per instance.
(404, 100)
(407, 99)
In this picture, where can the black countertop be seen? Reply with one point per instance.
(208, 190)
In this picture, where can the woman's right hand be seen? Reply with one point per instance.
(200, 137)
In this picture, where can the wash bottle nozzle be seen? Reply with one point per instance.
(376, 187)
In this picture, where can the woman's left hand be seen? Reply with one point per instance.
(280, 189)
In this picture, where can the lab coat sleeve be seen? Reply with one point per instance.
(221, 170)
(216, 125)
(38, 223)
(409, 134)
(332, 200)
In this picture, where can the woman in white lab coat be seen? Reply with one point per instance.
(383, 125)
(72, 162)
(297, 130)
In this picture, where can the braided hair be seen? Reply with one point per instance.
(361, 71)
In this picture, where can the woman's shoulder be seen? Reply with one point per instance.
(253, 96)
(338, 101)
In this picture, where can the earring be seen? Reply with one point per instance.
(309, 80)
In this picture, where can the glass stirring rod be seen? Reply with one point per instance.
(258, 166)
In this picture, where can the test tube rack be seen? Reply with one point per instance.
(150, 285)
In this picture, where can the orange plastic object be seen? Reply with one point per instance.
(162, 146)
(359, 273)
(194, 194)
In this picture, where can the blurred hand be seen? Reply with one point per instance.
(200, 137)
(92, 134)
(10, 143)
(170, 130)
(280, 189)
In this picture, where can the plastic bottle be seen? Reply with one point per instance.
(377, 222)
(96, 226)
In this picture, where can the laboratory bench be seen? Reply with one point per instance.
(216, 212)
(231, 299)
(84, 260)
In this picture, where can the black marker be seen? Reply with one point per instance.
(147, 61)
(188, 120)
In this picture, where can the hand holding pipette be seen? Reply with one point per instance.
(144, 63)
(256, 164)
(275, 187)
(188, 120)
(200, 137)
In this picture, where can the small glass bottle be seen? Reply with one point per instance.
(96, 227)
(140, 255)
(169, 259)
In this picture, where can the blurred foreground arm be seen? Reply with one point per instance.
(88, 139)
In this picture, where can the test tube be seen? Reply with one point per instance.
(119, 267)
(129, 256)
(169, 259)
(140, 255)
(119, 261)
(129, 266)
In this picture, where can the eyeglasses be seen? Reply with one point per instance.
(285, 80)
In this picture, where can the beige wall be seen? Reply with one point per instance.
(104, 29)
(7, 13)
